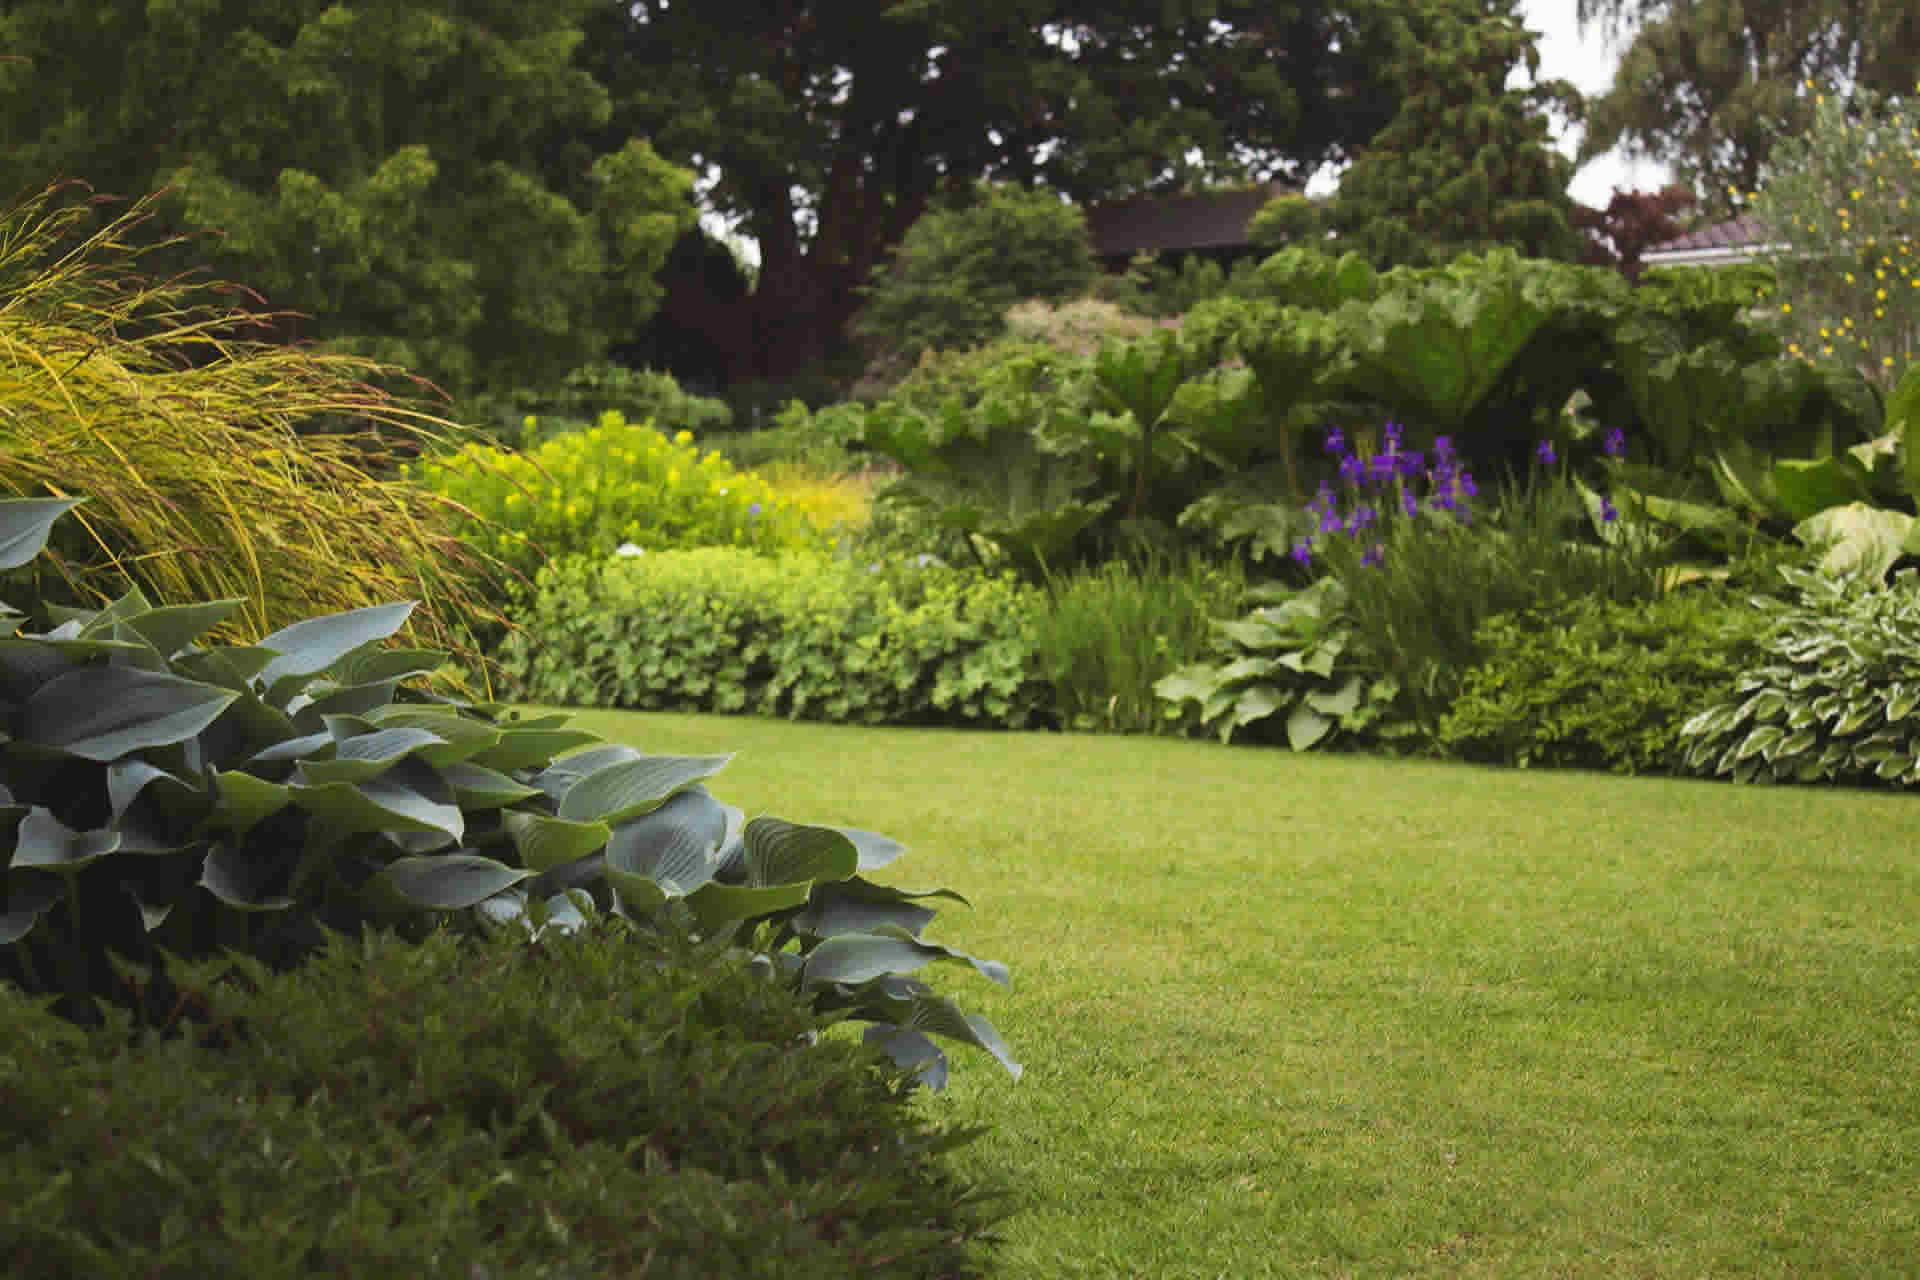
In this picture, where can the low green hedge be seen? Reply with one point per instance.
(801, 635)
(580, 1106)
(1591, 684)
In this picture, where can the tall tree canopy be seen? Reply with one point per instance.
(1707, 85)
(433, 181)
(828, 125)
(1466, 163)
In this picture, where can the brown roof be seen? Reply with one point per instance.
(1209, 220)
(1746, 230)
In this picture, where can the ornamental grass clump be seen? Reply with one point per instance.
(1424, 562)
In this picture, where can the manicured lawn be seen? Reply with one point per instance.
(1288, 1015)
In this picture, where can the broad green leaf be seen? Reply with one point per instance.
(545, 843)
(623, 791)
(450, 882)
(242, 800)
(1860, 539)
(1192, 683)
(937, 1015)
(249, 877)
(856, 958)
(782, 852)
(475, 788)
(45, 842)
(460, 737)
(364, 757)
(311, 646)
(714, 904)
(521, 748)
(875, 850)
(557, 777)
(398, 800)
(24, 895)
(171, 628)
(673, 848)
(1341, 701)
(25, 524)
(230, 667)
(860, 906)
(1306, 727)
(103, 713)
(1807, 487)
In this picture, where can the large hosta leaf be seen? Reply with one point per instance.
(46, 842)
(626, 790)
(475, 788)
(782, 852)
(103, 713)
(461, 737)
(559, 776)
(855, 958)
(365, 756)
(250, 876)
(670, 852)
(857, 905)
(241, 800)
(716, 905)
(545, 843)
(24, 895)
(171, 628)
(311, 646)
(1860, 539)
(450, 882)
(409, 797)
(521, 746)
(24, 525)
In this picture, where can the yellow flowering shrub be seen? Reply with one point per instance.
(614, 484)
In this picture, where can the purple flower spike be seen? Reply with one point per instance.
(1408, 504)
(1302, 551)
(1336, 441)
(1616, 443)
(1467, 486)
(1545, 453)
(1352, 470)
(1393, 436)
(1608, 513)
(1442, 449)
(1374, 555)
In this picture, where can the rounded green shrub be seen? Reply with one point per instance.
(803, 635)
(616, 483)
(1596, 684)
(616, 1101)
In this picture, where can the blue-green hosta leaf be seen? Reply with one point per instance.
(24, 525)
(475, 788)
(557, 777)
(451, 881)
(626, 790)
(1341, 701)
(233, 667)
(46, 842)
(23, 896)
(875, 849)
(364, 756)
(563, 911)
(171, 628)
(1306, 727)
(545, 843)
(311, 646)
(250, 877)
(1188, 683)
(1254, 632)
(408, 797)
(911, 1051)
(241, 800)
(673, 848)
(460, 736)
(295, 749)
(126, 779)
(522, 748)
(377, 666)
(855, 958)
(782, 852)
(715, 905)
(857, 905)
(1243, 669)
(103, 713)
(936, 1015)
(323, 701)
(27, 664)
(1257, 703)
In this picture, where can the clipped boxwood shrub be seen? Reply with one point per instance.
(1593, 684)
(157, 794)
(1832, 696)
(612, 484)
(799, 635)
(616, 1102)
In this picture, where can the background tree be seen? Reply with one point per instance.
(962, 266)
(1842, 206)
(827, 127)
(1466, 163)
(1632, 223)
(418, 177)
(1706, 85)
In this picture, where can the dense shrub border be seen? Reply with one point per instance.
(805, 636)
(619, 1100)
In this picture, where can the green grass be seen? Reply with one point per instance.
(1304, 1015)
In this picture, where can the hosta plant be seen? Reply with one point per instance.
(1834, 695)
(158, 796)
(1292, 661)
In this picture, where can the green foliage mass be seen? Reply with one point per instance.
(158, 796)
(615, 483)
(619, 1101)
(961, 266)
(434, 187)
(799, 635)
(1467, 163)
(638, 395)
(1590, 683)
(1832, 695)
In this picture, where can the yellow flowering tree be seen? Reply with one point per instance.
(1841, 204)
